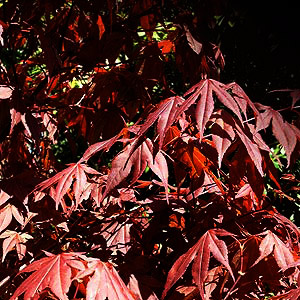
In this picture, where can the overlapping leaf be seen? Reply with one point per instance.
(6, 214)
(196, 163)
(14, 240)
(200, 253)
(165, 115)
(53, 272)
(282, 130)
(222, 136)
(104, 282)
(134, 164)
(202, 93)
(64, 179)
(273, 244)
(117, 236)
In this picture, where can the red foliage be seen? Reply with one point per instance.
(111, 185)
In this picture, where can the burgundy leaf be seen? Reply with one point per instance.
(222, 135)
(252, 150)
(165, 115)
(179, 267)
(194, 44)
(202, 93)
(105, 145)
(135, 164)
(208, 244)
(272, 244)
(117, 236)
(283, 131)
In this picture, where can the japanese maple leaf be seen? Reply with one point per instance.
(125, 164)
(117, 235)
(195, 161)
(252, 150)
(64, 179)
(273, 244)
(200, 253)
(104, 282)
(14, 240)
(94, 189)
(53, 272)
(202, 94)
(222, 135)
(282, 130)
(243, 100)
(6, 214)
(165, 115)
(194, 44)
(105, 145)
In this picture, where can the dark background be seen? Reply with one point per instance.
(262, 48)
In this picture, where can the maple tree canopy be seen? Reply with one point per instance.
(134, 165)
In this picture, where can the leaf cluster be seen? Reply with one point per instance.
(128, 170)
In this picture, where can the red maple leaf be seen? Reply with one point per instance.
(104, 282)
(200, 253)
(273, 244)
(64, 179)
(117, 235)
(134, 163)
(53, 272)
(15, 240)
(6, 214)
(202, 94)
(285, 133)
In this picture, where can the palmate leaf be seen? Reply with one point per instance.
(14, 240)
(200, 253)
(117, 235)
(104, 282)
(225, 129)
(165, 115)
(53, 272)
(196, 162)
(202, 94)
(222, 135)
(134, 163)
(285, 133)
(273, 244)
(6, 214)
(64, 179)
